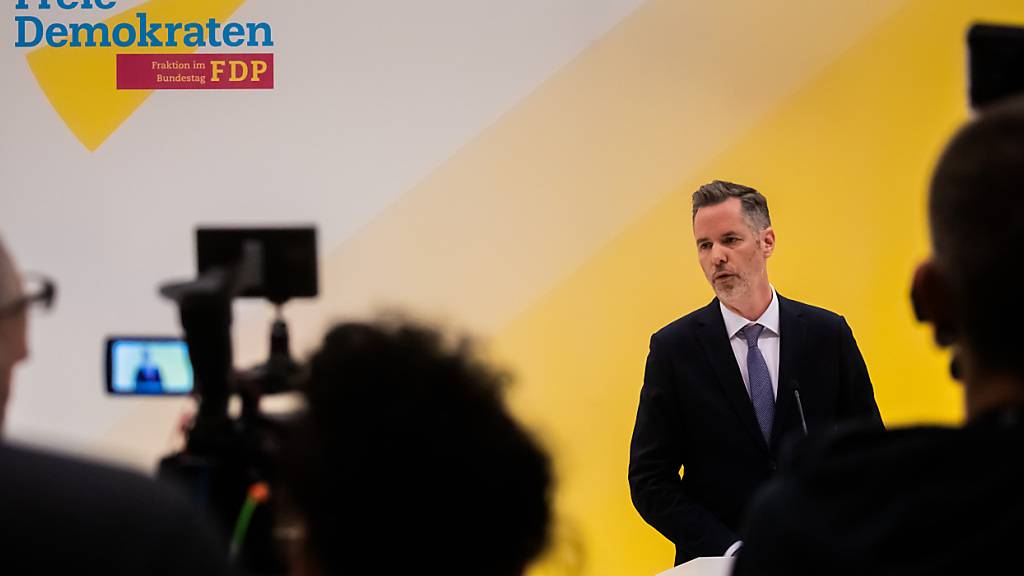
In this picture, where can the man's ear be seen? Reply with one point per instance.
(768, 241)
(933, 303)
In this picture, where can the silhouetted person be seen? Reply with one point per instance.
(64, 516)
(929, 500)
(410, 461)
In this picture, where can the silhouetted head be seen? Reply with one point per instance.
(969, 290)
(410, 460)
(13, 325)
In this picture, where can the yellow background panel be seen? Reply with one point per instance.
(844, 163)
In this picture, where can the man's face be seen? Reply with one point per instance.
(732, 255)
(13, 330)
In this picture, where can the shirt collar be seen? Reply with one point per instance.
(770, 319)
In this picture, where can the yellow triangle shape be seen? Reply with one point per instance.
(81, 83)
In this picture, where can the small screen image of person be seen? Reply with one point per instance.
(147, 376)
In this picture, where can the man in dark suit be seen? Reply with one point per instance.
(720, 391)
(63, 516)
(928, 500)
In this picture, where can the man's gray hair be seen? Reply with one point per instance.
(755, 205)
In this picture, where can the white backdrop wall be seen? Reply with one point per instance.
(370, 97)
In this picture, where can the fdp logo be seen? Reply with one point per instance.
(241, 70)
(195, 72)
(97, 73)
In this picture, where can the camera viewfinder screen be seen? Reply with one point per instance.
(150, 367)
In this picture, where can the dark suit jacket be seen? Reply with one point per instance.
(62, 516)
(695, 412)
(909, 502)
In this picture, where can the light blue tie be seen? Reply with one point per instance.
(760, 381)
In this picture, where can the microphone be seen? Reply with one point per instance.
(799, 405)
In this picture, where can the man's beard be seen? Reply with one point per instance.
(731, 290)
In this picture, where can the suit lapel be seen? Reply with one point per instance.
(715, 342)
(792, 332)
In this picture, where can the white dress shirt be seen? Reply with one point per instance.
(768, 342)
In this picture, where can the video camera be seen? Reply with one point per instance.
(230, 463)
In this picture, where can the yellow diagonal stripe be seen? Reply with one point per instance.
(81, 82)
(845, 164)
